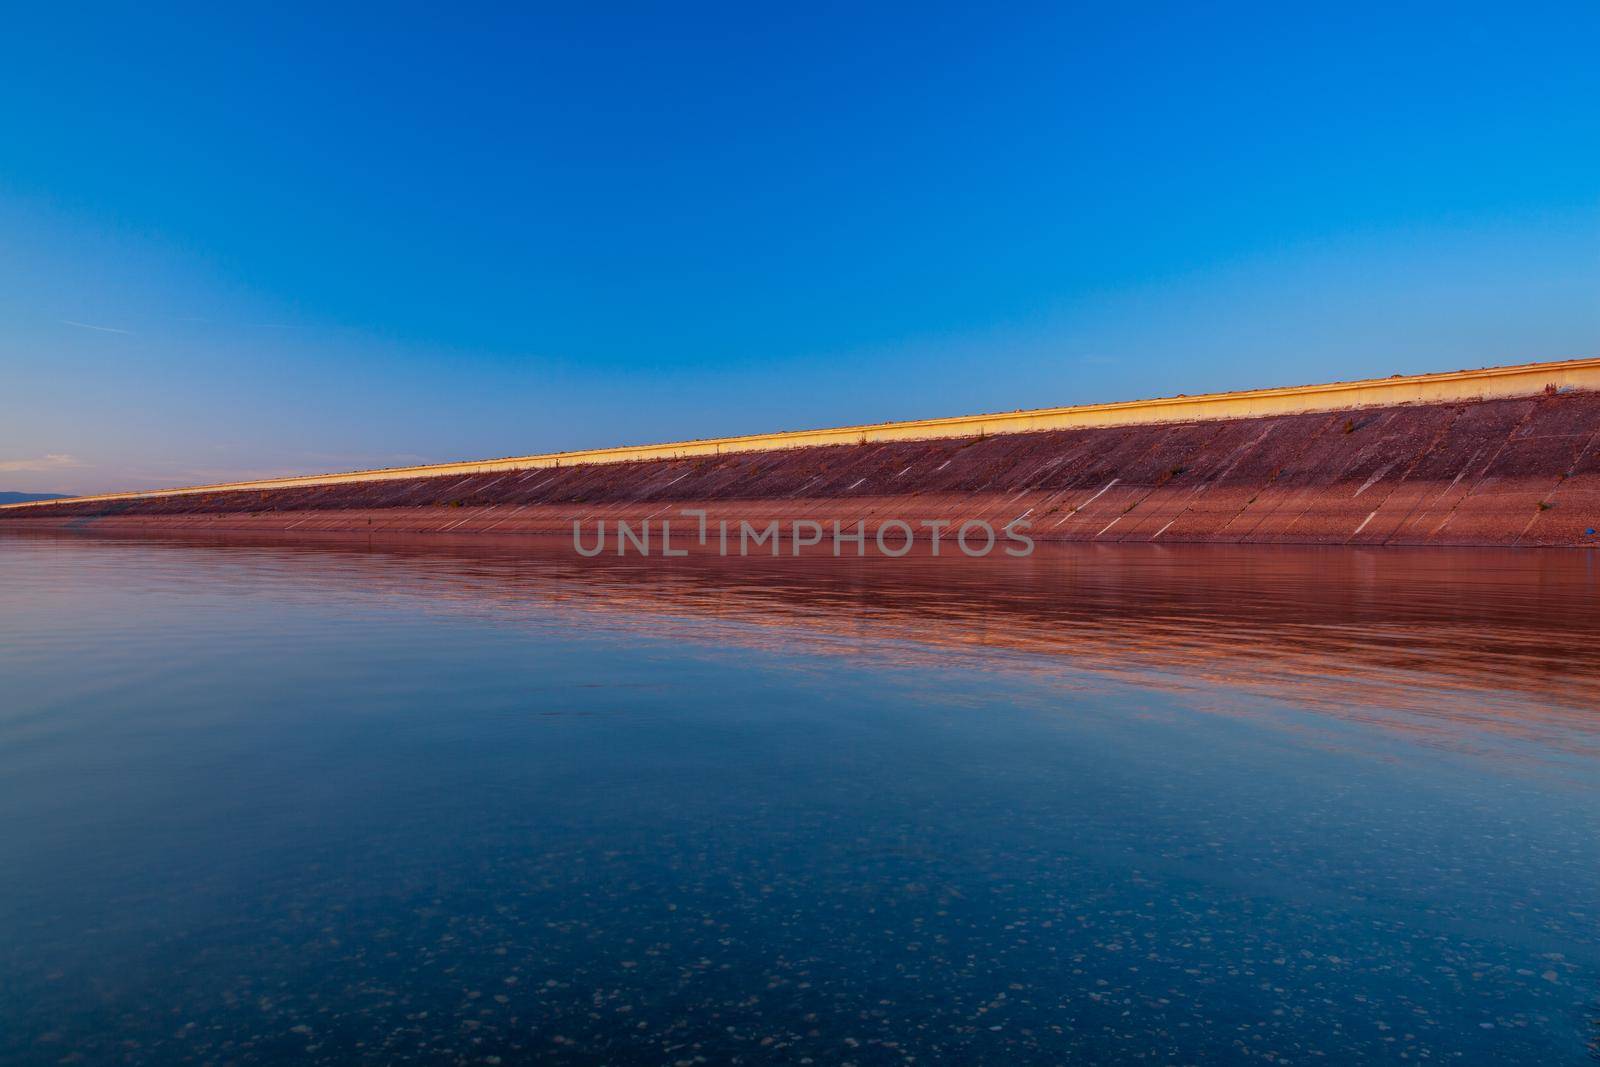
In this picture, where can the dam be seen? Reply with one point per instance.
(1506, 456)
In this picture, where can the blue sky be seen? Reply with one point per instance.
(248, 243)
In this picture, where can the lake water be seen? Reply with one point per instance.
(333, 802)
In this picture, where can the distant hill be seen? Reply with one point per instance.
(23, 498)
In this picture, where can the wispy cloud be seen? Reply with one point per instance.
(92, 326)
(52, 461)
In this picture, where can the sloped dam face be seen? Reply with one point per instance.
(1514, 471)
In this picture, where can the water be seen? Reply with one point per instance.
(342, 803)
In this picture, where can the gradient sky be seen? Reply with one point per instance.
(239, 244)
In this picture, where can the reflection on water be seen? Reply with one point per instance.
(1501, 637)
(335, 802)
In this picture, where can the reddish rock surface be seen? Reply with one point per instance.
(1502, 472)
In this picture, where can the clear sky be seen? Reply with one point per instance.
(246, 243)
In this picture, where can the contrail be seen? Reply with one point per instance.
(92, 326)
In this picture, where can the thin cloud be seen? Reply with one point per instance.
(92, 326)
(52, 461)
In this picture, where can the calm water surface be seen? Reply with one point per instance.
(341, 803)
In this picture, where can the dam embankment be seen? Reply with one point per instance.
(1501, 456)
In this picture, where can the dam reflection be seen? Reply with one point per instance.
(1435, 641)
